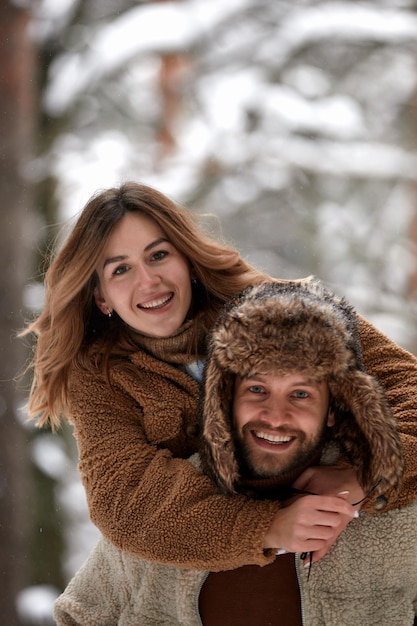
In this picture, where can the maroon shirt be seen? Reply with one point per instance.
(253, 596)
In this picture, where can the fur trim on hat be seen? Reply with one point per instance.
(278, 328)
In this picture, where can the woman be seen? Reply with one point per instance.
(129, 300)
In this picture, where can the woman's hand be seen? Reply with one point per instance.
(331, 480)
(309, 523)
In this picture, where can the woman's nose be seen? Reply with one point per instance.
(146, 277)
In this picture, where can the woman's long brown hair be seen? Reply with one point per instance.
(70, 320)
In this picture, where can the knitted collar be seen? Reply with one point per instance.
(175, 348)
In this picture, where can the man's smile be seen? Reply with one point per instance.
(270, 438)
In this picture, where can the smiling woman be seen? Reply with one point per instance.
(129, 301)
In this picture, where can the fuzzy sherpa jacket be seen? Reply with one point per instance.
(133, 440)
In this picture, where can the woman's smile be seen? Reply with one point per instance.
(157, 303)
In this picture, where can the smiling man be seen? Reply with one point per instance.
(284, 388)
(280, 422)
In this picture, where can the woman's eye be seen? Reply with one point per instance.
(159, 255)
(120, 270)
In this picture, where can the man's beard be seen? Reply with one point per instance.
(258, 463)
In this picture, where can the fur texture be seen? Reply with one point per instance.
(285, 327)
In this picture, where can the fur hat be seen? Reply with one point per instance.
(281, 327)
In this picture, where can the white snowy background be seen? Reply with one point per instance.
(295, 127)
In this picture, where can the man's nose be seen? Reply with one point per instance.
(276, 411)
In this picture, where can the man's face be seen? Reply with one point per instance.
(279, 421)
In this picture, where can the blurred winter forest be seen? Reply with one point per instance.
(294, 123)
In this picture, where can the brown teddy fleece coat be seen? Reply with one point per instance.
(134, 438)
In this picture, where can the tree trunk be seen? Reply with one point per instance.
(17, 106)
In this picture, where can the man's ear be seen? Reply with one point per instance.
(100, 301)
(331, 420)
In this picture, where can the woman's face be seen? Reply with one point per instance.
(144, 278)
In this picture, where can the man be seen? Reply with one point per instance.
(284, 388)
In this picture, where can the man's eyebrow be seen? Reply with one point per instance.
(311, 382)
(306, 381)
(123, 257)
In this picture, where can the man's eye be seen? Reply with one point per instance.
(256, 389)
(300, 394)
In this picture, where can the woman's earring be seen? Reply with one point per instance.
(194, 281)
(109, 313)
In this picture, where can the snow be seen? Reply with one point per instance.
(34, 605)
(155, 28)
(105, 163)
(49, 455)
(51, 17)
(302, 106)
(349, 21)
(359, 21)
(358, 159)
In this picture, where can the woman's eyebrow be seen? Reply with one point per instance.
(114, 259)
(156, 243)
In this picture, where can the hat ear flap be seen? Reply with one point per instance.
(217, 448)
(370, 439)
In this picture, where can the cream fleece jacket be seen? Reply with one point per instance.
(369, 578)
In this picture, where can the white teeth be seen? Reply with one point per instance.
(272, 438)
(156, 303)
